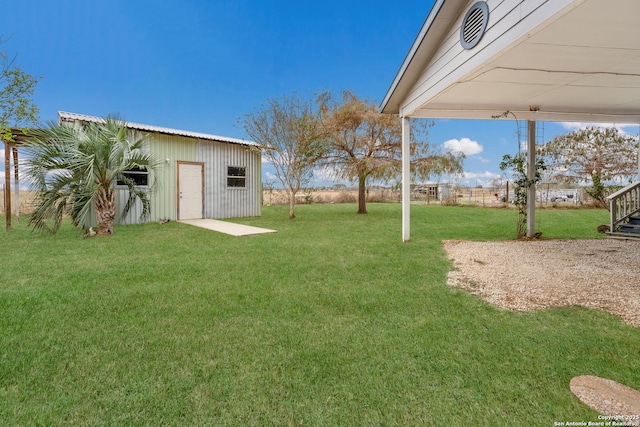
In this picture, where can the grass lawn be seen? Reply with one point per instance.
(331, 321)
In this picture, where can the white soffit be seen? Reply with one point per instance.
(582, 64)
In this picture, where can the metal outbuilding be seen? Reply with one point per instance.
(200, 175)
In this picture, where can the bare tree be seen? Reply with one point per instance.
(289, 132)
(593, 155)
(365, 144)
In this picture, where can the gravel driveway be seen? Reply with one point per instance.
(531, 275)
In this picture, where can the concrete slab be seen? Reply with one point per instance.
(227, 227)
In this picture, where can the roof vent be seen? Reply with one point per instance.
(474, 24)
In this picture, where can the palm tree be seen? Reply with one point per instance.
(75, 169)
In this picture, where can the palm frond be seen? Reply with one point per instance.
(136, 193)
(72, 167)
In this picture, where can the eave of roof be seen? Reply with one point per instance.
(63, 115)
(560, 60)
(435, 25)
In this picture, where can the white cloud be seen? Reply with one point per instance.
(324, 174)
(523, 145)
(583, 125)
(481, 175)
(464, 145)
(479, 178)
(21, 172)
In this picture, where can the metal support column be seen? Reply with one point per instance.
(406, 179)
(531, 175)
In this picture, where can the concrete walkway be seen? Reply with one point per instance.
(226, 227)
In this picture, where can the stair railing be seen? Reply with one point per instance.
(624, 203)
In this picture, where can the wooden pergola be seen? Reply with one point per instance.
(11, 150)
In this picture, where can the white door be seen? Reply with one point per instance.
(190, 190)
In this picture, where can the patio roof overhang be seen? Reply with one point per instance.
(540, 60)
(559, 60)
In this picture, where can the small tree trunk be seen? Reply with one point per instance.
(522, 223)
(105, 212)
(292, 204)
(362, 194)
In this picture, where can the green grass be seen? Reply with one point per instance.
(331, 321)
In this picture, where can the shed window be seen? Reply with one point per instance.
(236, 177)
(138, 175)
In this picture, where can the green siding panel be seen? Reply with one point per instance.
(168, 150)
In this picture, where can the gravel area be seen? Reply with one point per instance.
(537, 274)
(619, 402)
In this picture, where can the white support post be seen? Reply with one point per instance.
(531, 175)
(406, 179)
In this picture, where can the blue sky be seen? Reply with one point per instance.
(200, 65)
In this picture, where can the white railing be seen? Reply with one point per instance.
(624, 203)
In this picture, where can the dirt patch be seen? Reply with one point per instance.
(619, 402)
(532, 275)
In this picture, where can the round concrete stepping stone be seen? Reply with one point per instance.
(607, 397)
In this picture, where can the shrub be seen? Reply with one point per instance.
(344, 197)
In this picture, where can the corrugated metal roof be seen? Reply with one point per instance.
(63, 115)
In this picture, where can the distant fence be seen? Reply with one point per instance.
(308, 196)
(546, 195)
(27, 202)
